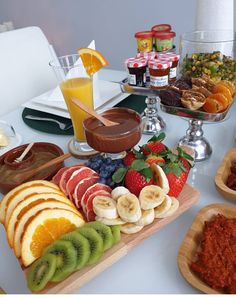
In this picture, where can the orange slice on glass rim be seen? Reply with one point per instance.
(92, 60)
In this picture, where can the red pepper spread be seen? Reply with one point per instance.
(216, 264)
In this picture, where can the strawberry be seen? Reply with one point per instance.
(136, 181)
(177, 169)
(129, 158)
(135, 177)
(155, 159)
(154, 145)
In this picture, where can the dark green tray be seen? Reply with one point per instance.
(134, 102)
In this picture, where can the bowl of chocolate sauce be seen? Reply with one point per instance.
(117, 138)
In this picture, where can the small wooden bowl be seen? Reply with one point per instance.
(191, 244)
(222, 174)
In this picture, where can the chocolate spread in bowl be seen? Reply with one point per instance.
(117, 138)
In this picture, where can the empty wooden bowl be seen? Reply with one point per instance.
(222, 175)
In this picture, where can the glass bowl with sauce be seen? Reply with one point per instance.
(40, 153)
(114, 139)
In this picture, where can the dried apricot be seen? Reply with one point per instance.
(220, 88)
(212, 105)
(220, 97)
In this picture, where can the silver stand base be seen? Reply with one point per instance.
(194, 138)
(152, 122)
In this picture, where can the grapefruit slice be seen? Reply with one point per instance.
(66, 176)
(10, 195)
(76, 177)
(89, 203)
(28, 215)
(26, 204)
(91, 190)
(81, 188)
(47, 226)
(57, 177)
(22, 194)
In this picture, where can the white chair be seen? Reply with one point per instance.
(24, 69)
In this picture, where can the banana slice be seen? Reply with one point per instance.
(160, 177)
(130, 228)
(110, 222)
(119, 191)
(172, 210)
(128, 208)
(151, 196)
(163, 208)
(105, 207)
(147, 217)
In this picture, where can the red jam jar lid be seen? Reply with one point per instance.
(164, 35)
(159, 64)
(162, 28)
(147, 55)
(136, 62)
(172, 57)
(144, 34)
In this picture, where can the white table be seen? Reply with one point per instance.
(151, 267)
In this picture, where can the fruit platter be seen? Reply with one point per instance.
(67, 230)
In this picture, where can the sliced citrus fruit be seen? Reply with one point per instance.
(26, 204)
(26, 218)
(220, 97)
(7, 198)
(92, 60)
(22, 194)
(230, 86)
(219, 88)
(212, 105)
(47, 226)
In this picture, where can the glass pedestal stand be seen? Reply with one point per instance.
(152, 122)
(194, 139)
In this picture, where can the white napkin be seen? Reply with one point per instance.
(56, 94)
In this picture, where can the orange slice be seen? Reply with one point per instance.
(29, 202)
(26, 218)
(212, 105)
(47, 226)
(220, 88)
(7, 198)
(230, 86)
(92, 60)
(220, 98)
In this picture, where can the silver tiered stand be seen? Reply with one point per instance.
(153, 123)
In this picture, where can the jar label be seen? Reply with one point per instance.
(159, 81)
(132, 79)
(173, 72)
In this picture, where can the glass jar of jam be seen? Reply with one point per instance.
(159, 73)
(136, 71)
(144, 41)
(174, 58)
(148, 57)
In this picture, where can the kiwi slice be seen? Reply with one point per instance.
(81, 245)
(116, 233)
(104, 231)
(95, 242)
(41, 272)
(66, 257)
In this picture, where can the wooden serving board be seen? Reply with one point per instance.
(222, 174)
(191, 243)
(188, 197)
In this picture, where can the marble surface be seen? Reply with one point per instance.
(151, 267)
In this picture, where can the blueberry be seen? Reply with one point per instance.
(102, 180)
(104, 173)
(108, 160)
(95, 166)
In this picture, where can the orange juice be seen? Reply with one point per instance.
(81, 88)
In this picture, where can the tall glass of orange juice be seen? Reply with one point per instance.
(75, 83)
